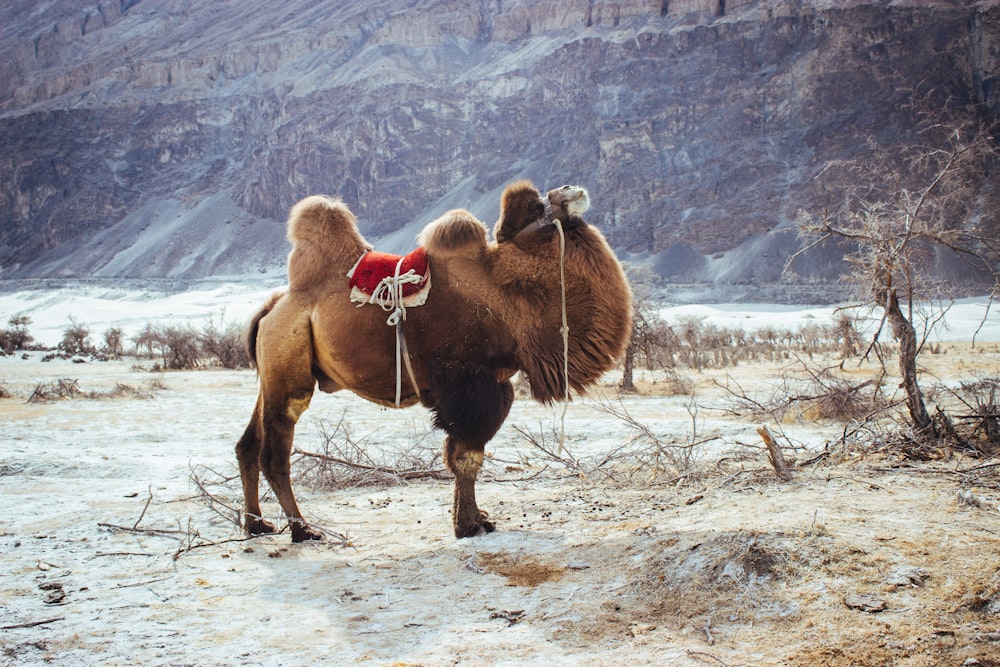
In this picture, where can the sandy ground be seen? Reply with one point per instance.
(111, 553)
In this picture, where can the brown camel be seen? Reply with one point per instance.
(493, 309)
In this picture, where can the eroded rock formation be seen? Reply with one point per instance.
(170, 138)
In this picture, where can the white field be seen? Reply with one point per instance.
(588, 565)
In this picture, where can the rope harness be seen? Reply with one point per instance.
(550, 219)
(389, 295)
(564, 329)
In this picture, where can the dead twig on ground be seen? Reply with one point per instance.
(144, 508)
(32, 624)
(213, 543)
(566, 458)
(226, 511)
(434, 473)
(703, 654)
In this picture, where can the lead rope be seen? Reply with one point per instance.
(389, 296)
(564, 330)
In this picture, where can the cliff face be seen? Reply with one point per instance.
(170, 138)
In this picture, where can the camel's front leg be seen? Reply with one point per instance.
(470, 409)
(465, 462)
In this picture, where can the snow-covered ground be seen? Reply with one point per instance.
(111, 554)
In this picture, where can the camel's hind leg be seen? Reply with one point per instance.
(248, 455)
(285, 356)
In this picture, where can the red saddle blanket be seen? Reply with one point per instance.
(375, 268)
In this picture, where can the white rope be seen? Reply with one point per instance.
(388, 295)
(564, 330)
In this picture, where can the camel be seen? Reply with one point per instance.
(494, 308)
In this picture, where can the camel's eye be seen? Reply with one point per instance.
(565, 187)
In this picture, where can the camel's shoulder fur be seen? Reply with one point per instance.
(456, 233)
(325, 241)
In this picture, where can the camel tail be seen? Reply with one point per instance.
(255, 326)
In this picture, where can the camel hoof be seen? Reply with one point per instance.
(258, 526)
(474, 528)
(303, 533)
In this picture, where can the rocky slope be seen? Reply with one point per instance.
(170, 138)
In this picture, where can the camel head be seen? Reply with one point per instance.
(569, 201)
(524, 210)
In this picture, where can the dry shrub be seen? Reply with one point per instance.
(836, 399)
(225, 345)
(966, 420)
(17, 336)
(57, 390)
(123, 391)
(643, 455)
(182, 347)
(666, 382)
(818, 395)
(979, 427)
(346, 461)
(76, 339)
(179, 347)
(114, 343)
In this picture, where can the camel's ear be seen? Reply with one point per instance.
(520, 205)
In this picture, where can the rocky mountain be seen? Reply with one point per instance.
(169, 138)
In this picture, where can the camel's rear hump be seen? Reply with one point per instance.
(456, 233)
(325, 241)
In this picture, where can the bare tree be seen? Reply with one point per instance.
(17, 337)
(639, 278)
(76, 338)
(910, 211)
(226, 344)
(652, 340)
(114, 342)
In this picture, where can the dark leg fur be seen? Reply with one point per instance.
(286, 388)
(470, 406)
(275, 461)
(248, 455)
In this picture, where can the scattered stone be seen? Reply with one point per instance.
(55, 595)
(907, 575)
(512, 617)
(637, 629)
(867, 603)
(967, 498)
(471, 564)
